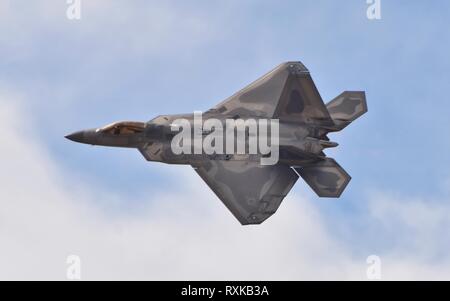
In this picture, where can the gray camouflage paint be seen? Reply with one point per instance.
(251, 191)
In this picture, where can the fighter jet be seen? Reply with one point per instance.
(253, 191)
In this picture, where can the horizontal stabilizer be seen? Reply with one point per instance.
(347, 107)
(327, 178)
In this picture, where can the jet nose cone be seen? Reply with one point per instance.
(76, 137)
(86, 137)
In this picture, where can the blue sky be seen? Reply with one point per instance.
(137, 60)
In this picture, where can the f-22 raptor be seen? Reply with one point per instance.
(250, 190)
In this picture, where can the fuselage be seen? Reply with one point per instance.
(297, 144)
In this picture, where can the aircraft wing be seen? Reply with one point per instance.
(287, 93)
(252, 192)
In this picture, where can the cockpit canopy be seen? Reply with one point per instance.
(123, 128)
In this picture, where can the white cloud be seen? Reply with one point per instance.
(46, 214)
(413, 226)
